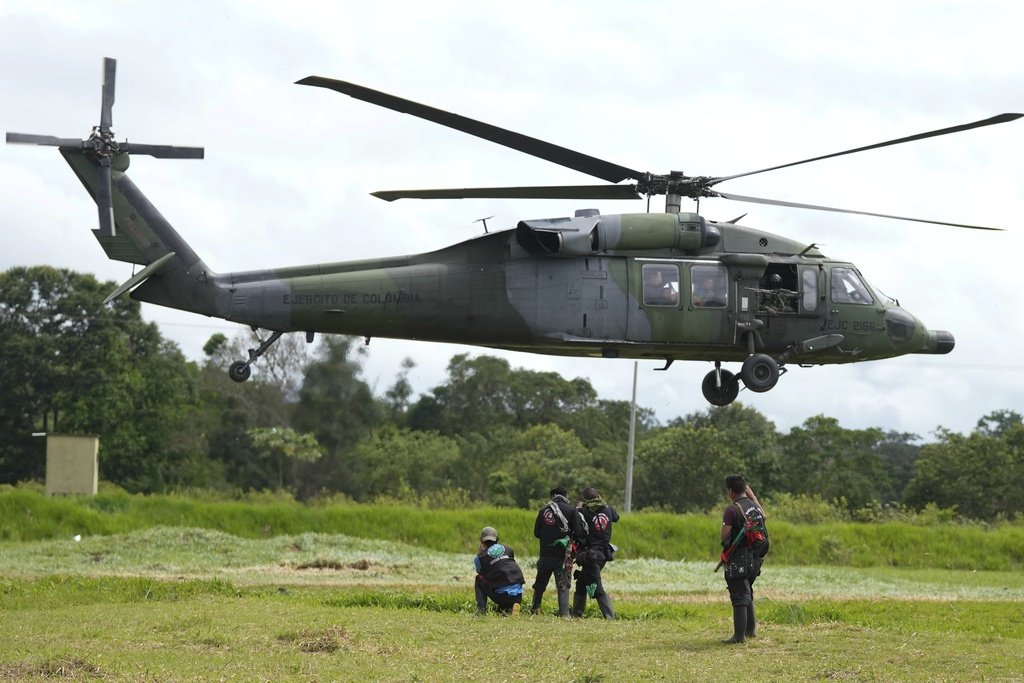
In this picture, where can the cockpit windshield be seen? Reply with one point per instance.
(847, 287)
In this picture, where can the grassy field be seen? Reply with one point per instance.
(31, 516)
(177, 603)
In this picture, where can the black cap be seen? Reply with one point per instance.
(559, 491)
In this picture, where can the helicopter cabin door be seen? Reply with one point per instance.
(710, 304)
(670, 309)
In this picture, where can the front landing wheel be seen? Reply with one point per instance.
(720, 395)
(239, 371)
(760, 372)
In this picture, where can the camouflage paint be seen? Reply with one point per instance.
(564, 286)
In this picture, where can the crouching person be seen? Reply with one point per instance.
(498, 576)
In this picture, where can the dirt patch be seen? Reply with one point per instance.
(358, 565)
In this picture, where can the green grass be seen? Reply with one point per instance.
(217, 595)
(29, 516)
(145, 630)
(174, 604)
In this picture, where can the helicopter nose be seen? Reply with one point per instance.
(939, 342)
(905, 332)
(909, 334)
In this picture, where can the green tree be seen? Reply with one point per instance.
(544, 456)
(823, 459)
(285, 444)
(76, 364)
(980, 475)
(394, 460)
(682, 469)
(750, 436)
(899, 454)
(999, 422)
(484, 392)
(337, 405)
(397, 396)
(479, 455)
(228, 410)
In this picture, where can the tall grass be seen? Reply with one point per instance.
(29, 515)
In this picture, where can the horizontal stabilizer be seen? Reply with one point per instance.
(140, 277)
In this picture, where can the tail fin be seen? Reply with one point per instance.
(173, 275)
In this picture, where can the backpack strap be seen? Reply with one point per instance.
(743, 516)
(564, 528)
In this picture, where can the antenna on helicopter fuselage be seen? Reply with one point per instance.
(484, 221)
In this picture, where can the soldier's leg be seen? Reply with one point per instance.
(545, 568)
(741, 598)
(481, 598)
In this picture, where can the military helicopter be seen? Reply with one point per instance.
(665, 286)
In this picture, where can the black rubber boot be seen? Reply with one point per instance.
(739, 625)
(481, 603)
(751, 631)
(579, 603)
(605, 603)
(535, 607)
(563, 602)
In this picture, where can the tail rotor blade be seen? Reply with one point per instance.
(49, 140)
(104, 202)
(107, 107)
(163, 151)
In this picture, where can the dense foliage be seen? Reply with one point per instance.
(310, 425)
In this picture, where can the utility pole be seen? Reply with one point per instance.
(629, 457)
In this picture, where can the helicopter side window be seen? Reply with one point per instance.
(809, 278)
(847, 287)
(709, 286)
(661, 285)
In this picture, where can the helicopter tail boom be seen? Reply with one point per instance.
(173, 274)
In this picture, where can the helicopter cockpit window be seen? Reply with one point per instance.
(661, 285)
(847, 287)
(709, 286)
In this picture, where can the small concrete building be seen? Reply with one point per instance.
(72, 464)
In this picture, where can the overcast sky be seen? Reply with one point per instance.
(705, 88)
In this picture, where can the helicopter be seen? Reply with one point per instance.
(662, 286)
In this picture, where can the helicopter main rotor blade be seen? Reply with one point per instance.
(539, 192)
(562, 156)
(107, 104)
(794, 205)
(49, 140)
(163, 151)
(1001, 118)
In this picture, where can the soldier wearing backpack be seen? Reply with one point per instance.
(596, 549)
(558, 528)
(743, 554)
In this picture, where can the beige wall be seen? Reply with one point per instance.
(72, 464)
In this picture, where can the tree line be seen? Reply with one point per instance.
(308, 423)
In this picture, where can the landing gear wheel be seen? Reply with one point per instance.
(720, 395)
(239, 371)
(760, 372)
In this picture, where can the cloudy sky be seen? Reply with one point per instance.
(705, 88)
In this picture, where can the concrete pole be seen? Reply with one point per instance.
(629, 456)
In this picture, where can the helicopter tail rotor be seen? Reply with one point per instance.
(102, 149)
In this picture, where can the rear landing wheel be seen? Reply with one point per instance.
(720, 395)
(239, 371)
